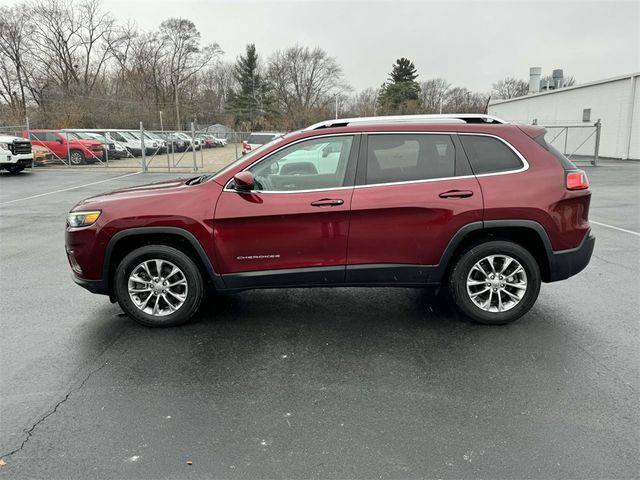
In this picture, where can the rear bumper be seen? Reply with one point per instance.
(566, 263)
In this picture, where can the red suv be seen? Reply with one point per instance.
(488, 209)
(67, 146)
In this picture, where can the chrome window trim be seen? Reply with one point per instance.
(525, 164)
(350, 134)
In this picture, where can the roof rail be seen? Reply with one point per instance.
(442, 118)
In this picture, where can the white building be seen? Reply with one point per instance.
(615, 101)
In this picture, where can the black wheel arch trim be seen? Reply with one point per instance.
(136, 231)
(562, 263)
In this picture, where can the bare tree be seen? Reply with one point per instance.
(15, 36)
(185, 57)
(462, 100)
(510, 87)
(363, 103)
(433, 94)
(304, 80)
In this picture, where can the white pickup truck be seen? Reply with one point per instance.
(15, 154)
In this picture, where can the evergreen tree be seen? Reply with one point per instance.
(249, 101)
(401, 93)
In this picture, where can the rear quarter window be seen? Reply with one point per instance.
(489, 155)
(564, 161)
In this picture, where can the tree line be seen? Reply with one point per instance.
(70, 63)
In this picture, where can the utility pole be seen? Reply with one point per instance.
(161, 128)
(336, 106)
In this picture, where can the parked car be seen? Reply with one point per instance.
(174, 142)
(42, 156)
(65, 146)
(207, 141)
(15, 154)
(127, 140)
(257, 139)
(108, 146)
(222, 142)
(152, 146)
(116, 151)
(195, 143)
(487, 210)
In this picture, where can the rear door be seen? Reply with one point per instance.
(414, 191)
(292, 228)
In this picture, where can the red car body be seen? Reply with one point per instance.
(61, 146)
(402, 234)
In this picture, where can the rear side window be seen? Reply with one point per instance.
(489, 155)
(566, 163)
(407, 157)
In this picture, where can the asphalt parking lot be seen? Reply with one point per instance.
(340, 383)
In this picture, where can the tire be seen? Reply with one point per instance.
(192, 292)
(15, 169)
(496, 303)
(76, 157)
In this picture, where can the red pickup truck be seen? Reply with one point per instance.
(77, 151)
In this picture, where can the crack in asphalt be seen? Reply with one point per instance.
(30, 430)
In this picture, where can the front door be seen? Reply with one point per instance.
(414, 192)
(292, 228)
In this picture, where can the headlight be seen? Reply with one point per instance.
(83, 219)
(4, 146)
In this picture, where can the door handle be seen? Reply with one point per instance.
(327, 202)
(456, 194)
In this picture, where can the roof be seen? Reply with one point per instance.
(566, 89)
(404, 119)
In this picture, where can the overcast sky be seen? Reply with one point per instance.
(470, 43)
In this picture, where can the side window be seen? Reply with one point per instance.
(409, 157)
(38, 136)
(307, 165)
(52, 137)
(489, 155)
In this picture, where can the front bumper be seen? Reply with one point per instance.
(23, 160)
(94, 286)
(566, 263)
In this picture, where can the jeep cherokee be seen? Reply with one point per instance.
(488, 209)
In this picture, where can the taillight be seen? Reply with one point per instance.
(577, 180)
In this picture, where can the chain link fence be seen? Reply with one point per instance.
(576, 141)
(138, 149)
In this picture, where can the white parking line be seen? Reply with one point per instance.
(67, 189)
(615, 228)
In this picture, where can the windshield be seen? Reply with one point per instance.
(152, 136)
(127, 136)
(250, 155)
(97, 136)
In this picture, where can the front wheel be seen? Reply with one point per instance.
(76, 157)
(495, 282)
(158, 286)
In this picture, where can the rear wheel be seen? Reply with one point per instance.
(158, 286)
(495, 282)
(76, 157)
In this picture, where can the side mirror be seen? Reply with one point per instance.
(243, 181)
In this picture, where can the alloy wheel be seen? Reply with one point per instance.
(158, 287)
(496, 283)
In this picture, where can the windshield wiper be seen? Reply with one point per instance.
(200, 179)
